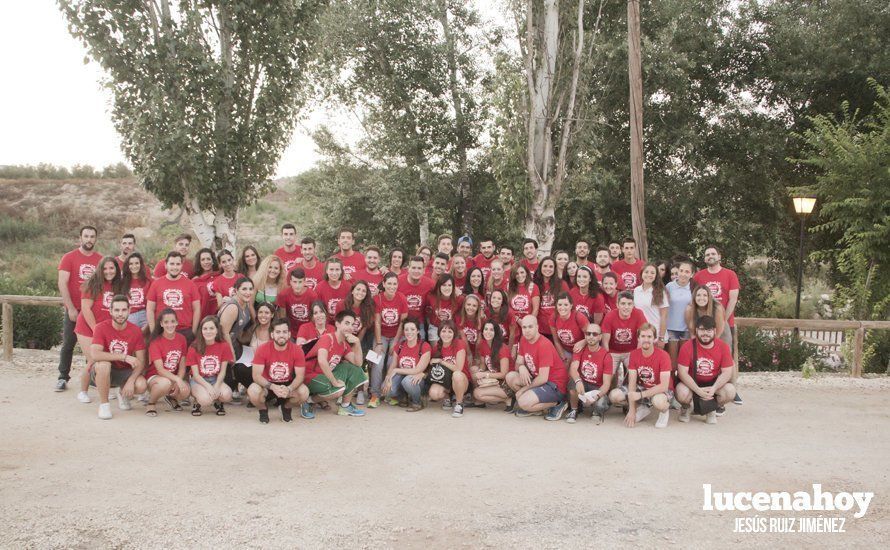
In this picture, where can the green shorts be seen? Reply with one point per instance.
(346, 372)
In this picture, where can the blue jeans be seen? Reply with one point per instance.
(378, 370)
(402, 385)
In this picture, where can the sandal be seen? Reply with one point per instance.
(174, 404)
(196, 409)
(414, 407)
(150, 410)
(220, 409)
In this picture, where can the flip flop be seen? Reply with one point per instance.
(150, 410)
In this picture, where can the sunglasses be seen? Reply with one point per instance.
(592, 333)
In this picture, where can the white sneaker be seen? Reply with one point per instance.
(143, 398)
(685, 413)
(105, 411)
(711, 418)
(663, 418)
(642, 412)
(123, 403)
(84, 397)
(360, 398)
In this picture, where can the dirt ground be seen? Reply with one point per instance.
(426, 480)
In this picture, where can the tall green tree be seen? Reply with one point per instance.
(205, 94)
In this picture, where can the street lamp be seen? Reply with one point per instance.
(803, 206)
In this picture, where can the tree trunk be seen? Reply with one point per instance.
(202, 226)
(224, 227)
(635, 77)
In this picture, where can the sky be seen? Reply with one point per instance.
(52, 107)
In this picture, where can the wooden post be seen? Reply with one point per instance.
(7, 331)
(735, 352)
(635, 77)
(857, 352)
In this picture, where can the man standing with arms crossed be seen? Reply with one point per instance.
(75, 268)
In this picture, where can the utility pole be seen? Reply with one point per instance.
(635, 76)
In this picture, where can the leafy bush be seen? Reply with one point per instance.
(13, 230)
(780, 351)
(37, 325)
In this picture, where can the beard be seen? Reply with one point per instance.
(87, 246)
(705, 340)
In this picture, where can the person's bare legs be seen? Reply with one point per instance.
(528, 402)
(103, 380)
(491, 395)
(438, 393)
(85, 342)
(459, 385)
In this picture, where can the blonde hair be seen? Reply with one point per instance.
(262, 273)
(648, 327)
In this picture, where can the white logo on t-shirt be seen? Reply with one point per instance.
(334, 360)
(629, 279)
(530, 363)
(290, 264)
(589, 370)
(582, 309)
(407, 363)
(171, 361)
(471, 334)
(118, 346)
(107, 297)
(444, 314)
(332, 305)
(278, 371)
(705, 367)
(210, 365)
(85, 271)
(299, 312)
(646, 374)
(623, 335)
(520, 302)
(565, 336)
(389, 316)
(137, 296)
(311, 282)
(173, 298)
(414, 301)
(716, 289)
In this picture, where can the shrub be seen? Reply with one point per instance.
(780, 351)
(37, 325)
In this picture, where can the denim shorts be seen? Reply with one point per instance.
(548, 393)
(139, 318)
(677, 335)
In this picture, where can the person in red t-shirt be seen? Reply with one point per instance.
(609, 284)
(620, 328)
(181, 245)
(416, 288)
(567, 327)
(498, 311)
(351, 260)
(499, 279)
(485, 257)
(447, 378)
(290, 252)
(530, 255)
(95, 301)
(724, 286)
(118, 352)
(177, 292)
(439, 266)
(371, 274)
(312, 266)
(165, 374)
(704, 367)
(331, 370)
(135, 282)
(206, 269)
(603, 263)
(224, 284)
(491, 365)
(317, 327)
(279, 368)
(586, 295)
(506, 256)
(469, 324)
(630, 269)
(443, 305)
(295, 301)
(75, 268)
(127, 246)
(209, 358)
(524, 295)
(465, 249)
(590, 376)
(540, 376)
(333, 289)
(458, 270)
(405, 375)
(391, 310)
(648, 381)
(551, 285)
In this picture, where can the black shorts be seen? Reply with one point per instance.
(439, 374)
(242, 374)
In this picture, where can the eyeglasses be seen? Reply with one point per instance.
(592, 333)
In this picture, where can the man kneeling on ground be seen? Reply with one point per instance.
(708, 385)
(648, 382)
(591, 377)
(540, 376)
(279, 367)
(118, 351)
(331, 370)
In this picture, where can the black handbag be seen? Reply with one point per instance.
(699, 405)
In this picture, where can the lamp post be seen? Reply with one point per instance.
(803, 206)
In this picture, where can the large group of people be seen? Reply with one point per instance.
(463, 326)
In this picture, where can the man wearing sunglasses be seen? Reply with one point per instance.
(708, 384)
(590, 372)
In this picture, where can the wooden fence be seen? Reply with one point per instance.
(826, 333)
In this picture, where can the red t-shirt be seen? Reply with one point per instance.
(337, 351)
(720, 284)
(506, 325)
(358, 325)
(469, 328)
(484, 264)
(390, 312)
(629, 275)
(570, 331)
(710, 361)
(548, 306)
(373, 280)
(224, 285)
(542, 354)
(204, 283)
(460, 282)
(531, 266)
(169, 351)
(297, 308)
(503, 285)
(79, 267)
(352, 263)
(610, 303)
(314, 274)
(127, 341)
(408, 357)
(290, 259)
(443, 310)
(593, 365)
(623, 332)
(138, 295)
(449, 353)
(416, 294)
(279, 365)
(309, 333)
(179, 295)
(332, 296)
(210, 362)
(188, 268)
(521, 302)
(649, 369)
(484, 352)
(587, 304)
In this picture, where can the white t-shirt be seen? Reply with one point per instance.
(643, 301)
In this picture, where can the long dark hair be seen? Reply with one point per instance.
(480, 311)
(514, 284)
(593, 288)
(501, 315)
(447, 324)
(553, 285)
(497, 341)
(468, 289)
(242, 263)
(200, 270)
(389, 257)
(159, 330)
(92, 287)
(200, 345)
(658, 291)
(366, 308)
(127, 275)
(437, 290)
